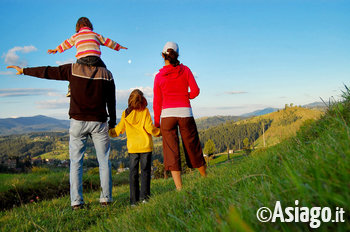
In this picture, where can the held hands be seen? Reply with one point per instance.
(19, 70)
(52, 51)
(111, 133)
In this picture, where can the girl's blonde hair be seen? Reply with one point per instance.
(136, 101)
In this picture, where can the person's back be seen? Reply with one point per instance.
(171, 104)
(87, 44)
(174, 83)
(137, 123)
(93, 91)
(86, 41)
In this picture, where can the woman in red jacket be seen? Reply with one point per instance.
(171, 103)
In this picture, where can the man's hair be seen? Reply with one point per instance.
(172, 57)
(136, 101)
(83, 22)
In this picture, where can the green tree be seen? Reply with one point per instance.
(246, 143)
(209, 147)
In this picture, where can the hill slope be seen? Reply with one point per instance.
(309, 167)
(37, 123)
(285, 123)
(278, 126)
(206, 122)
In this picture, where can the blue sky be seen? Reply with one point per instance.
(246, 55)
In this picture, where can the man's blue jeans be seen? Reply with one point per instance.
(78, 133)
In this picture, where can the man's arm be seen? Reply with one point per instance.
(111, 104)
(62, 72)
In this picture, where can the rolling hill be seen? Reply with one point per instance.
(36, 123)
(206, 122)
(284, 123)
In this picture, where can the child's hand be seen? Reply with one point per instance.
(111, 133)
(121, 47)
(52, 51)
(19, 70)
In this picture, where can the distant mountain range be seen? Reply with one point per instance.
(41, 123)
(260, 112)
(37, 123)
(318, 105)
(315, 105)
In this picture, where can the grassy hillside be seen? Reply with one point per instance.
(207, 122)
(284, 123)
(312, 167)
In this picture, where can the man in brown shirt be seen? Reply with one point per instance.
(92, 91)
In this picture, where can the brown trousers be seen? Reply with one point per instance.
(193, 151)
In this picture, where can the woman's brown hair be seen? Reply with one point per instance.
(172, 56)
(83, 22)
(136, 101)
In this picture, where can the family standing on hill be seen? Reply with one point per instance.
(92, 91)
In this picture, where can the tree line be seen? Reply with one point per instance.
(231, 135)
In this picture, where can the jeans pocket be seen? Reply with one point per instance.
(75, 127)
(103, 128)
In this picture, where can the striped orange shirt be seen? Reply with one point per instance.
(87, 43)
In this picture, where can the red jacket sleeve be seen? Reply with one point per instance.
(194, 89)
(157, 102)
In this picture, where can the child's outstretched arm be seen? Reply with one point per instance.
(65, 45)
(110, 43)
(52, 51)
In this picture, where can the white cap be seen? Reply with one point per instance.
(171, 45)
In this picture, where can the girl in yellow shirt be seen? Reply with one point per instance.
(136, 121)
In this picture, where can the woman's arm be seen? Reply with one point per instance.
(194, 89)
(149, 127)
(157, 102)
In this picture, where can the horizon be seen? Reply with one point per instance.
(241, 115)
(245, 55)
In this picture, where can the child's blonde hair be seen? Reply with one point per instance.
(136, 101)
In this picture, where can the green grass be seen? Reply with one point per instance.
(312, 167)
(17, 189)
(222, 157)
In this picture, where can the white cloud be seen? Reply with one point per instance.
(236, 110)
(61, 103)
(7, 73)
(12, 58)
(55, 94)
(69, 61)
(129, 61)
(153, 75)
(123, 94)
(235, 92)
(25, 92)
